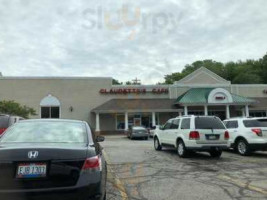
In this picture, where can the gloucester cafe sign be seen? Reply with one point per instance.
(134, 91)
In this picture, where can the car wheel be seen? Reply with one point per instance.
(146, 138)
(242, 147)
(157, 145)
(181, 149)
(216, 153)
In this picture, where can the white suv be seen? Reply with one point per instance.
(193, 133)
(247, 134)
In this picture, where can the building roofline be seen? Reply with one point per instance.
(52, 78)
(203, 69)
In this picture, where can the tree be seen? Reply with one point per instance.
(241, 72)
(14, 108)
(128, 83)
(116, 82)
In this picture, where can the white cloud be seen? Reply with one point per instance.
(66, 38)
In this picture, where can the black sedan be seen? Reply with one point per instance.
(51, 159)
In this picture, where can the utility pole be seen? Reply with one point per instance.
(136, 81)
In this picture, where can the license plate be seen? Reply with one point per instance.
(31, 170)
(212, 137)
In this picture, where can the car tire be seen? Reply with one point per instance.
(105, 197)
(242, 147)
(157, 145)
(146, 138)
(215, 153)
(181, 149)
(131, 137)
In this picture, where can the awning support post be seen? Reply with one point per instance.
(227, 112)
(97, 121)
(247, 111)
(206, 110)
(153, 119)
(126, 122)
(185, 110)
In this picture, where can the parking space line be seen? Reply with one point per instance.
(242, 184)
(117, 181)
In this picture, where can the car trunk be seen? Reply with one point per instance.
(62, 165)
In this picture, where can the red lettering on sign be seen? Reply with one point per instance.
(134, 91)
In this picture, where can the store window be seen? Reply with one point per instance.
(50, 107)
(50, 112)
(120, 125)
(257, 113)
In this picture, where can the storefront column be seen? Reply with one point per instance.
(97, 122)
(227, 112)
(247, 111)
(243, 112)
(185, 110)
(206, 110)
(153, 119)
(126, 121)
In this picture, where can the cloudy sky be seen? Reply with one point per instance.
(125, 39)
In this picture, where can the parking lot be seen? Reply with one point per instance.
(137, 171)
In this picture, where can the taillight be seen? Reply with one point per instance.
(226, 135)
(257, 131)
(194, 135)
(2, 130)
(92, 163)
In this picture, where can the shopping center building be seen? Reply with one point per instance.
(112, 108)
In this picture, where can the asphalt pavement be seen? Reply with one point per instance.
(137, 171)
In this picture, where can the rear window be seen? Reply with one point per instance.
(208, 123)
(4, 121)
(255, 123)
(46, 132)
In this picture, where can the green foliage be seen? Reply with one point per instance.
(128, 83)
(13, 108)
(116, 82)
(248, 72)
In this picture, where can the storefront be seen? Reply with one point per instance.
(115, 108)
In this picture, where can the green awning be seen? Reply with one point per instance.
(200, 96)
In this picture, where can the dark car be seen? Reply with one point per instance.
(51, 159)
(138, 132)
(7, 120)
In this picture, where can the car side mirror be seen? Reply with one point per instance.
(100, 138)
(161, 128)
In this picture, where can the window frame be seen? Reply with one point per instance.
(226, 124)
(181, 127)
(178, 125)
(59, 108)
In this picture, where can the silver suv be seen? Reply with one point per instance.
(193, 133)
(7, 120)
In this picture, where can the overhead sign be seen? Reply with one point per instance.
(134, 91)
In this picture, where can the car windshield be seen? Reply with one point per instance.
(255, 123)
(208, 123)
(46, 132)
